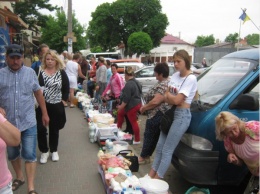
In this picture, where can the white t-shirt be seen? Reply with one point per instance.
(72, 68)
(187, 86)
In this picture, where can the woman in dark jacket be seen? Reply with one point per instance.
(55, 84)
(130, 103)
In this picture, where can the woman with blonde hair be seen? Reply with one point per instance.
(55, 84)
(241, 140)
(130, 103)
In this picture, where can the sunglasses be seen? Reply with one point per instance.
(13, 50)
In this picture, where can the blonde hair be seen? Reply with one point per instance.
(129, 71)
(225, 120)
(59, 63)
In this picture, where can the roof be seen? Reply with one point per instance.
(13, 17)
(252, 54)
(170, 39)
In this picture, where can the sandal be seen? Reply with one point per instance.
(144, 161)
(72, 106)
(16, 184)
(32, 192)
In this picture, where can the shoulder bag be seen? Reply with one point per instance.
(168, 116)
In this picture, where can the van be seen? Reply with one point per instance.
(123, 63)
(110, 55)
(230, 84)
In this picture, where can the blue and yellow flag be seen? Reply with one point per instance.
(244, 17)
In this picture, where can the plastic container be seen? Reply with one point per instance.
(154, 186)
(119, 146)
(194, 190)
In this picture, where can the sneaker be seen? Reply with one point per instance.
(136, 142)
(55, 156)
(44, 157)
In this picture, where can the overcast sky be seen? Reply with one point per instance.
(190, 18)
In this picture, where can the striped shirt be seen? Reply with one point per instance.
(16, 96)
(52, 87)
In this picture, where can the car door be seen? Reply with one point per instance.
(146, 77)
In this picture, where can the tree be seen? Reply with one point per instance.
(253, 39)
(56, 29)
(140, 42)
(204, 40)
(232, 38)
(115, 22)
(28, 11)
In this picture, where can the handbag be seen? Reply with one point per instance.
(168, 116)
(134, 167)
(167, 119)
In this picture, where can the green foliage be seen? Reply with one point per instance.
(28, 11)
(232, 38)
(140, 42)
(204, 40)
(115, 22)
(96, 49)
(57, 27)
(253, 39)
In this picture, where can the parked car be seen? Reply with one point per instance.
(231, 84)
(147, 78)
(122, 64)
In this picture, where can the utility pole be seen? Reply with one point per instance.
(70, 36)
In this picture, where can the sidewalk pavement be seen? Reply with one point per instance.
(76, 171)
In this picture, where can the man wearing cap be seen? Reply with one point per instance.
(17, 86)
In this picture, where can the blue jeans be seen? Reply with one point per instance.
(27, 147)
(167, 143)
(7, 189)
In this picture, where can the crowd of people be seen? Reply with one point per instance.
(52, 80)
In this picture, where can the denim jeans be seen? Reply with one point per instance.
(167, 143)
(27, 147)
(7, 189)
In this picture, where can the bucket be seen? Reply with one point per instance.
(195, 190)
(154, 186)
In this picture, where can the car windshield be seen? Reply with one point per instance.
(218, 80)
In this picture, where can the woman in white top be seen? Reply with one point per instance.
(181, 91)
(73, 70)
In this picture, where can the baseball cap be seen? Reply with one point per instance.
(14, 50)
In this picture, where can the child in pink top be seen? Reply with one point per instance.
(241, 140)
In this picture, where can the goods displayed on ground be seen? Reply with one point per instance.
(116, 161)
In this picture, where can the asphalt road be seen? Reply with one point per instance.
(76, 171)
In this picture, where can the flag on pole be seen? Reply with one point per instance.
(244, 17)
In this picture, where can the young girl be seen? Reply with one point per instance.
(182, 89)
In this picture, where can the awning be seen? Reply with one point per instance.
(13, 17)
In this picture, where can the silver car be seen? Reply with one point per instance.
(147, 78)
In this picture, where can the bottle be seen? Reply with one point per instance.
(124, 191)
(138, 190)
(130, 190)
(109, 146)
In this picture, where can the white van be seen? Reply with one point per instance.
(111, 55)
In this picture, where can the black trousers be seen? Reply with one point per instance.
(57, 117)
(151, 134)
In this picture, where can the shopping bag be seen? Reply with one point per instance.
(134, 167)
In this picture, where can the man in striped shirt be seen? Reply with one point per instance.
(17, 85)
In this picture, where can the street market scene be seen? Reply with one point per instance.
(120, 102)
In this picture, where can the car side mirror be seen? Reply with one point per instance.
(246, 102)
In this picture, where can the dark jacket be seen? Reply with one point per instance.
(131, 94)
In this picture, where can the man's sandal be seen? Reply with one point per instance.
(16, 184)
(32, 192)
